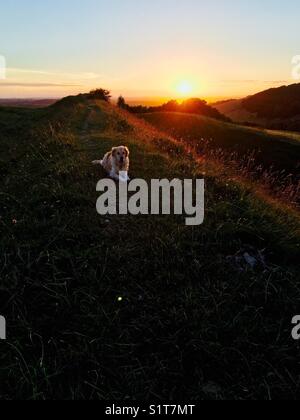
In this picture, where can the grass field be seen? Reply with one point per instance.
(274, 148)
(136, 307)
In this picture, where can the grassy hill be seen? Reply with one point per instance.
(136, 307)
(235, 110)
(282, 102)
(274, 153)
(277, 108)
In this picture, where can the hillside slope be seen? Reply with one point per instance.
(280, 150)
(136, 307)
(234, 110)
(277, 108)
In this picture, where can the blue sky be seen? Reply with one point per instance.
(147, 47)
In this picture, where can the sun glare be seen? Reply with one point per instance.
(184, 88)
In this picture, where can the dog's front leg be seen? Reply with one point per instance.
(123, 176)
(114, 175)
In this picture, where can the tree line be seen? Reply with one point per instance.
(189, 106)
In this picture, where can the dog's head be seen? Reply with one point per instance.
(121, 155)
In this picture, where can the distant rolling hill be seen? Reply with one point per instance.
(277, 108)
(27, 103)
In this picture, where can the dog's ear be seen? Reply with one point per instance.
(127, 151)
(114, 151)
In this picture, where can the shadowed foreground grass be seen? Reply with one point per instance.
(136, 307)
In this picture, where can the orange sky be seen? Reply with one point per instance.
(140, 49)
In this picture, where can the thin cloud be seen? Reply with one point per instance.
(271, 82)
(83, 75)
(276, 82)
(33, 85)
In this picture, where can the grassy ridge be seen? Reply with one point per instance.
(139, 307)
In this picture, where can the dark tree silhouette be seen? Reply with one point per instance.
(101, 94)
(190, 106)
(171, 106)
(122, 103)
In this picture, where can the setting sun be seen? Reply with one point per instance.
(185, 88)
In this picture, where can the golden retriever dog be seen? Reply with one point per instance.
(115, 161)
